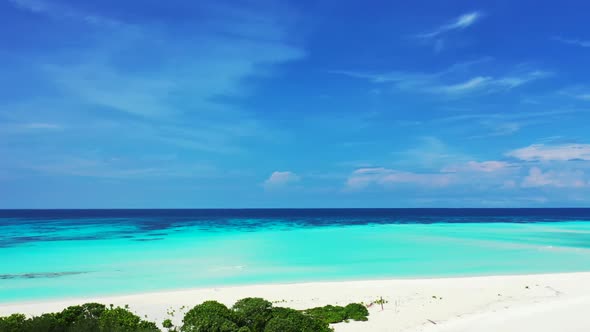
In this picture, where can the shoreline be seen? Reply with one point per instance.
(413, 303)
(272, 284)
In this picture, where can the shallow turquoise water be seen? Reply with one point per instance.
(190, 255)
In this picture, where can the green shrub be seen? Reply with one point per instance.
(84, 325)
(336, 314)
(87, 311)
(122, 320)
(90, 317)
(167, 323)
(329, 314)
(356, 311)
(12, 323)
(80, 318)
(209, 316)
(247, 315)
(290, 320)
(253, 312)
(280, 312)
(43, 323)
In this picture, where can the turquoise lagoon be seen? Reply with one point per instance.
(63, 254)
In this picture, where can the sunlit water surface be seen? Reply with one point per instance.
(60, 253)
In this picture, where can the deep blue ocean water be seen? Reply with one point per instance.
(76, 253)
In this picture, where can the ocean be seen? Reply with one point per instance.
(47, 254)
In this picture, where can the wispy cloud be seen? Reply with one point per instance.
(513, 81)
(223, 132)
(575, 42)
(563, 152)
(496, 124)
(225, 62)
(56, 10)
(483, 166)
(92, 168)
(578, 92)
(9, 128)
(459, 23)
(480, 175)
(499, 128)
(117, 168)
(429, 153)
(31, 5)
(236, 43)
(512, 175)
(42, 125)
(488, 84)
(279, 179)
(464, 174)
(364, 177)
(141, 83)
(454, 81)
(503, 117)
(471, 84)
(551, 178)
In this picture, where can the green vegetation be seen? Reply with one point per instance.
(336, 314)
(259, 315)
(253, 313)
(209, 316)
(247, 315)
(122, 320)
(290, 320)
(380, 301)
(329, 314)
(167, 323)
(89, 317)
(357, 311)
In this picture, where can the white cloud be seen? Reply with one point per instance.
(20, 128)
(497, 128)
(280, 179)
(139, 83)
(117, 168)
(430, 152)
(472, 175)
(225, 62)
(505, 116)
(364, 177)
(237, 43)
(32, 5)
(500, 124)
(576, 42)
(490, 84)
(563, 179)
(578, 92)
(483, 166)
(464, 21)
(56, 10)
(474, 83)
(458, 23)
(518, 80)
(42, 125)
(563, 152)
(450, 82)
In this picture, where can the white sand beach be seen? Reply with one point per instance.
(540, 303)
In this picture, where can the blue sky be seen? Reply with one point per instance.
(147, 104)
